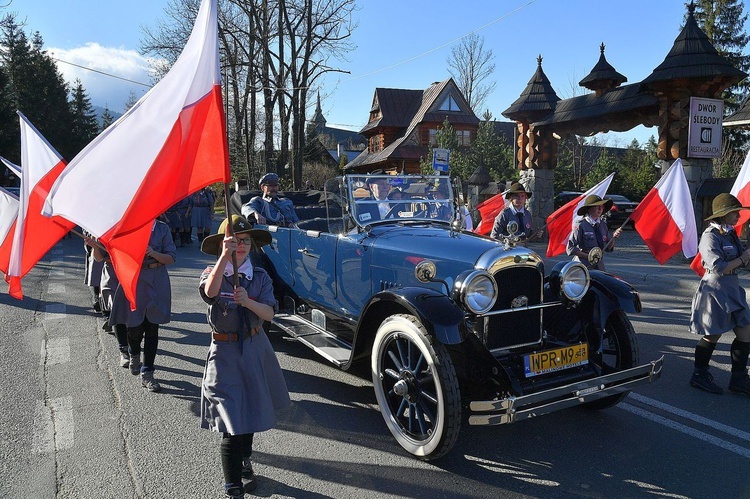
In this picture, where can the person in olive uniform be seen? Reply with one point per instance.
(719, 304)
(592, 232)
(243, 385)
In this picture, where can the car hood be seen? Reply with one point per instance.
(400, 249)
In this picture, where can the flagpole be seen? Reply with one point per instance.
(611, 241)
(230, 232)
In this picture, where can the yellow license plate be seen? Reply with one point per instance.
(556, 360)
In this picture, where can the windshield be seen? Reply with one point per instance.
(382, 198)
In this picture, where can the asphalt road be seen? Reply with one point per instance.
(75, 424)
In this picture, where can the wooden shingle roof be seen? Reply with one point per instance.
(537, 99)
(740, 117)
(396, 107)
(603, 75)
(693, 56)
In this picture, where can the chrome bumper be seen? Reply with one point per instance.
(512, 409)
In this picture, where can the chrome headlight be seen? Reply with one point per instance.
(570, 281)
(476, 290)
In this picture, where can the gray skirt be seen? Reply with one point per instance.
(242, 390)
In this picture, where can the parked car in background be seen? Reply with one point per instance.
(564, 197)
(448, 321)
(621, 209)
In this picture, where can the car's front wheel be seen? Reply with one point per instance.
(619, 351)
(416, 387)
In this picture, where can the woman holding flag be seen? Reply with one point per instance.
(719, 304)
(592, 232)
(243, 385)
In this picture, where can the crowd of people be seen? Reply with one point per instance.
(243, 385)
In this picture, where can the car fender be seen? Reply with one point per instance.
(618, 292)
(441, 317)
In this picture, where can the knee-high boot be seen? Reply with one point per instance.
(740, 382)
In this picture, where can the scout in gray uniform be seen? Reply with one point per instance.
(92, 276)
(592, 232)
(270, 209)
(153, 305)
(515, 212)
(243, 385)
(719, 303)
(202, 212)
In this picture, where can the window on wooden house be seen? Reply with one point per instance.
(433, 137)
(376, 143)
(449, 104)
(464, 137)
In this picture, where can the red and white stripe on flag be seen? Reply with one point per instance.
(665, 218)
(560, 223)
(488, 210)
(171, 143)
(34, 233)
(8, 214)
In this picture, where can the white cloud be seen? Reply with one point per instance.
(110, 89)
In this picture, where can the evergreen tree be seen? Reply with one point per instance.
(491, 151)
(83, 123)
(132, 99)
(107, 118)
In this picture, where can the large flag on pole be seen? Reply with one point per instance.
(740, 190)
(8, 214)
(34, 233)
(560, 223)
(665, 218)
(488, 210)
(171, 143)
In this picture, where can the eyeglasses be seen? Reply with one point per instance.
(245, 240)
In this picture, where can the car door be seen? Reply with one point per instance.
(313, 257)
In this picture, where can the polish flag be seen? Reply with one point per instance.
(171, 143)
(560, 224)
(740, 190)
(488, 210)
(8, 214)
(665, 218)
(34, 233)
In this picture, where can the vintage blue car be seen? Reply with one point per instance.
(380, 271)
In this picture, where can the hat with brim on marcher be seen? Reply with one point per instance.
(724, 204)
(212, 244)
(594, 200)
(517, 188)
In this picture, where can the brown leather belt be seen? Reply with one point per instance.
(232, 336)
(152, 265)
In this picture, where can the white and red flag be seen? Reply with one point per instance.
(560, 224)
(665, 218)
(34, 233)
(488, 211)
(8, 214)
(740, 190)
(171, 143)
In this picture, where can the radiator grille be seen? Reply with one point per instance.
(515, 328)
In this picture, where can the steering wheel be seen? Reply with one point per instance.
(393, 211)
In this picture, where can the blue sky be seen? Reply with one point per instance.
(400, 44)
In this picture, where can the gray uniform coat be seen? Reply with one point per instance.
(153, 293)
(719, 303)
(243, 385)
(500, 226)
(584, 238)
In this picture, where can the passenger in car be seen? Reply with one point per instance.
(719, 304)
(243, 385)
(516, 211)
(270, 209)
(592, 232)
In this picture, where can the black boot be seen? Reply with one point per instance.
(702, 379)
(740, 382)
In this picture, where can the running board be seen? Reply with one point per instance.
(314, 337)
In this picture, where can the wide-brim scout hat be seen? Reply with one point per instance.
(724, 204)
(517, 188)
(594, 200)
(240, 225)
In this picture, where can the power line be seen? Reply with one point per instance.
(102, 72)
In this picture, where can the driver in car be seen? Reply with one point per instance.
(379, 188)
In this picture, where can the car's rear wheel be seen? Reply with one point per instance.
(619, 351)
(416, 387)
